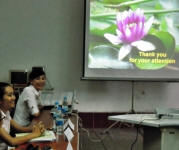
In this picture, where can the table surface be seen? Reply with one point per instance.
(61, 144)
(146, 120)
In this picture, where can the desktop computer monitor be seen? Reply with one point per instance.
(18, 76)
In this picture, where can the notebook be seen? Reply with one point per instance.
(47, 136)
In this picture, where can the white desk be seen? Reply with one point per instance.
(159, 134)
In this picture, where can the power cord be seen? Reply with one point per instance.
(136, 138)
(137, 130)
(92, 139)
(102, 142)
(99, 140)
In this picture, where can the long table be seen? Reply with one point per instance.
(159, 134)
(61, 144)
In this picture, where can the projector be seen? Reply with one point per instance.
(167, 113)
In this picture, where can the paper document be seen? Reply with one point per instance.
(71, 125)
(47, 136)
(69, 134)
(68, 123)
(11, 148)
(69, 146)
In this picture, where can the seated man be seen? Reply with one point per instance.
(29, 102)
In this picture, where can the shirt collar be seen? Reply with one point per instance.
(37, 93)
(3, 115)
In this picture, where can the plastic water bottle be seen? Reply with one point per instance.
(59, 113)
(56, 104)
(54, 109)
(54, 112)
(73, 101)
(59, 125)
(54, 123)
(65, 105)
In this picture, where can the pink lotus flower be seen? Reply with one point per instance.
(131, 28)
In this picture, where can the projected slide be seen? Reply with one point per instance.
(133, 35)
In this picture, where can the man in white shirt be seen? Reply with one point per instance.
(29, 100)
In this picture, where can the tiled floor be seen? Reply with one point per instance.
(115, 139)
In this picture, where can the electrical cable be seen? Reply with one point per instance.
(100, 139)
(107, 129)
(102, 142)
(92, 139)
(88, 133)
(136, 138)
(137, 130)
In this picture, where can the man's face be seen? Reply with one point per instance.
(39, 82)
